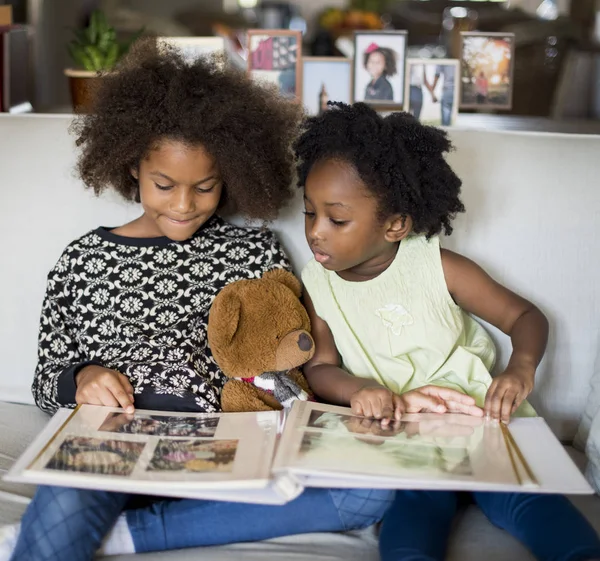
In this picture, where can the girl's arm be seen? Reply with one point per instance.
(367, 397)
(477, 293)
(59, 359)
(323, 372)
(63, 377)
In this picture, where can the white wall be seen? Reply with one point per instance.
(533, 221)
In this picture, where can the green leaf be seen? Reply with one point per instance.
(79, 56)
(111, 56)
(95, 56)
(106, 40)
(96, 48)
(92, 29)
(101, 23)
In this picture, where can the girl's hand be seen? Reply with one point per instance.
(435, 399)
(97, 385)
(376, 402)
(380, 403)
(507, 392)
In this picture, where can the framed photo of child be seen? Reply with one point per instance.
(325, 79)
(378, 76)
(274, 55)
(487, 63)
(432, 90)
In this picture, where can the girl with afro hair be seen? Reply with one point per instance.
(125, 315)
(395, 309)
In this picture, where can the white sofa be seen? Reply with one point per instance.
(533, 209)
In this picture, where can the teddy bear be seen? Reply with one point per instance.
(259, 335)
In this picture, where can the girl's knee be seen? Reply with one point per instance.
(360, 508)
(60, 503)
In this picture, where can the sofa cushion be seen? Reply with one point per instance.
(473, 534)
(592, 407)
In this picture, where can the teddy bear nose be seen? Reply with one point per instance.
(305, 342)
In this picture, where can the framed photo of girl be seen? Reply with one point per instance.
(432, 90)
(325, 79)
(487, 65)
(275, 55)
(378, 76)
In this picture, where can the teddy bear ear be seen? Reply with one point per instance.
(286, 278)
(224, 318)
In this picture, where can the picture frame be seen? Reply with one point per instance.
(487, 69)
(432, 92)
(325, 79)
(275, 55)
(194, 47)
(379, 68)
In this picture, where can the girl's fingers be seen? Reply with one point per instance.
(387, 408)
(107, 398)
(88, 400)
(417, 401)
(126, 385)
(465, 409)
(496, 403)
(489, 396)
(493, 400)
(398, 407)
(367, 408)
(447, 394)
(122, 398)
(508, 401)
(357, 408)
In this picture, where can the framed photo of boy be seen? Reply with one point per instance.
(325, 79)
(432, 90)
(275, 55)
(487, 65)
(378, 76)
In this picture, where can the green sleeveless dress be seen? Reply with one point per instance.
(402, 328)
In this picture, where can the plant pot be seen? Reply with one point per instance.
(82, 84)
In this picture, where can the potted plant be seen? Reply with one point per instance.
(95, 50)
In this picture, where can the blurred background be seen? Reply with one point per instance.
(557, 42)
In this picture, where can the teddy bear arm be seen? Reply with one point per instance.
(238, 396)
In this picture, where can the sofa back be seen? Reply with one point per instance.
(533, 221)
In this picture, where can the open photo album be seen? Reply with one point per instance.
(269, 457)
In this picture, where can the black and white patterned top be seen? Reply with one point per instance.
(140, 306)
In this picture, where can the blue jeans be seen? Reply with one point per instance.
(447, 103)
(415, 101)
(64, 523)
(417, 526)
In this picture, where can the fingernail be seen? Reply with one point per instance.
(129, 409)
(440, 408)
